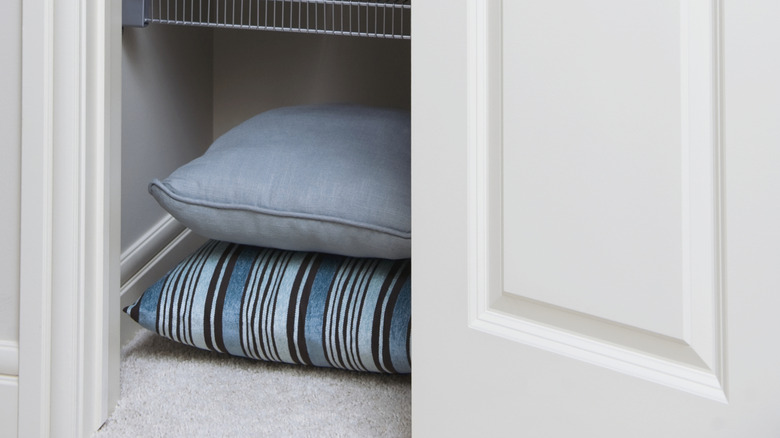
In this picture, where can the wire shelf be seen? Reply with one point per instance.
(372, 18)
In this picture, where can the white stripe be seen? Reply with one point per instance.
(279, 314)
(355, 318)
(348, 340)
(266, 329)
(252, 317)
(165, 293)
(189, 290)
(330, 316)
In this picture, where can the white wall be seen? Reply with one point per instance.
(10, 130)
(10, 199)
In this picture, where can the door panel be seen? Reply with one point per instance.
(575, 255)
(9, 408)
(592, 159)
(592, 186)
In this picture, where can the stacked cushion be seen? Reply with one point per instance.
(325, 178)
(285, 306)
(308, 209)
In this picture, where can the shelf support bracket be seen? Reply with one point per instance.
(136, 13)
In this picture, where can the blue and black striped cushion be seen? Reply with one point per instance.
(286, 306)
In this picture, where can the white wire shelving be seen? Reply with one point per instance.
(364, 18)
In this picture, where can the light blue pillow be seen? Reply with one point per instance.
(325, 178)
(285, 306)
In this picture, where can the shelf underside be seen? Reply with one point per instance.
(377, 18)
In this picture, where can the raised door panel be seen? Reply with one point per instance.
(592, 151)
(9, 390)
(595, 203)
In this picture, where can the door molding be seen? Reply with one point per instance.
(694, 364)
(9, 358)
(69, 275)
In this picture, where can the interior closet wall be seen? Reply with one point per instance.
(184, 86)
(255, 71)
(166, 114)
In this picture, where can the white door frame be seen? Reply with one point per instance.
(69, 275)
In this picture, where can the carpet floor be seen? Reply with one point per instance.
(172, 390)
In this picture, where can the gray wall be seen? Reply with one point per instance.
(166, 114)
(183, 86)
(255, 71)
(10, 172)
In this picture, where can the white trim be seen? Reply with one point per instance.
(172, 252)
(9, 358)
(68, 234)
(680, 376)
(142, 251)
(36, 219)
(696, 367)
(113, 206)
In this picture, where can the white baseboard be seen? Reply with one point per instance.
(156, 253)
(9, 359)
(134, 258)
(9, 405)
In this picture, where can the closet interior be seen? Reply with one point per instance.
(194, 69)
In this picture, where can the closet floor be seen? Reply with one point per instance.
(172, 390)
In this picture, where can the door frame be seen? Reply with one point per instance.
(70, 210)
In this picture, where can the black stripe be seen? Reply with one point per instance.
(376, 328)
(339, 317)
(305, 294)
(171, 300)
(134, 311)
(172, 305)
(387, 359)
(293, 306)
(258, 270)
(210, 296)
(221, 295)
(204, 254)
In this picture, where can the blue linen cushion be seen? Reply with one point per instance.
(286, 306)
(324, 178)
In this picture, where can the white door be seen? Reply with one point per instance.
(596, 217)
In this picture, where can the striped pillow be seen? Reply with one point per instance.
(285, 306)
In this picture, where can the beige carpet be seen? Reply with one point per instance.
(171, 390)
